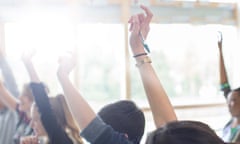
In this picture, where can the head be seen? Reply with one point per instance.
(233, 101)
(64, 116)
(124, 117)
(36, 122)
(26, 99)
(184, 132)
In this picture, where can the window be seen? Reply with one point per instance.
(184, 56)
(101, 58)
(49, 41)
(186, 60)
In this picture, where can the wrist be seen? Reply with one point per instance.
(27, 62)
(137, 52)
(143, 60)
(62, 74)
(140, 55)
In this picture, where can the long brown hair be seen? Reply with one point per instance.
(65, 118)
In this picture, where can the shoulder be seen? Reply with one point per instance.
(99, 132)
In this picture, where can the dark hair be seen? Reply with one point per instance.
(236, 90)
(184, 132)
(125, 117)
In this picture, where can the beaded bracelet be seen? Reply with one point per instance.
(143, 42)
(224, 85)
(143, 61)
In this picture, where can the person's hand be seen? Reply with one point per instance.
(139, 25)
(220, 40)
(28, 55)
(66, 63)
(29, 140)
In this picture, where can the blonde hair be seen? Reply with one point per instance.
(26, 91)
(65, 118)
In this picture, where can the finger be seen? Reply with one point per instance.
(148, 13)
(141, 17)
(131, 27)
(130, 19)
(136, 27)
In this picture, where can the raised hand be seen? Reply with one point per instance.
(139, 28)
(66, 63)
(27, 60)
(220, 40)
(161, 107)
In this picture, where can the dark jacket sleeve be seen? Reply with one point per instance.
(97, 132)
(55, 133)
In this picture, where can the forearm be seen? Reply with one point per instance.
(161, 107)
(223, 73)
(9, 79)
(7, 99)
(31, 71)
(49, 121)
(80, 109)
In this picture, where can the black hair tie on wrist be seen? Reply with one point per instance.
(138, 55)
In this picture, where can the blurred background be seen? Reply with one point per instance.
(183, 43)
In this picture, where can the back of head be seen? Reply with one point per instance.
(184, 132)
(237, 90)
(125, 117)
(64, 117)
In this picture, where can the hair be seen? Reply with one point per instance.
(184, 132)
(230, 92)
(236, 90)
(65, 118)
(125, 117)
(26, 91)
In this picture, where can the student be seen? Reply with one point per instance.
(231, 131)
(8, 118)
(125, 117)
(98, 132)
(12, 103)
(94, 128)
(50, 116)
(169, 130)
(8, 121)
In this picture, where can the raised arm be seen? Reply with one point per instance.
(27, 60)
(9, 79)
(8, 87)
(7, 98)
(94, 130)
(81, 110)
(56, 134)
(225, 87)
(161, 107)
